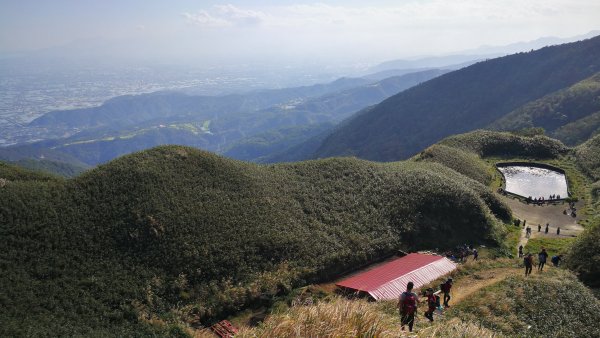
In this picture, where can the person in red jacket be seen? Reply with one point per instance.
(408, 307)
(431, 304)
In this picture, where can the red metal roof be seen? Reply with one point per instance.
(389, 280)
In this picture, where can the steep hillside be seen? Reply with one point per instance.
(572, 115)
(588, 157)
(174, 235)
(63, 169)
(464, 162)
(585, 255)
(460, 101)
(549, 304)
(10, 172)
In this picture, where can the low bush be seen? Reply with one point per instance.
(503, 144)
(549, 304)
(465, 163)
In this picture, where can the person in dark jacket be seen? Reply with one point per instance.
(542, 257)
(446, 287)
(528, 261)
(407, 304)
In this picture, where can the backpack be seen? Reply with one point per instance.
(432, 301)
(409, 305)
(445, 287)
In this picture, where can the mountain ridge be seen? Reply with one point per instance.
(463, 100)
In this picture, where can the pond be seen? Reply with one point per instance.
(534, 181)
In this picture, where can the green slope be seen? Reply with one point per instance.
(13, 172)
(588, 156)
(549, 304)
(572, 115)
(461, 101)
(489, 143)
(63, 169)
(175, 235)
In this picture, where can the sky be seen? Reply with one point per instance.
(336, 31)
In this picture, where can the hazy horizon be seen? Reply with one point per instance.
(216, 33)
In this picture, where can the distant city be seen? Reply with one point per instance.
(28, 92)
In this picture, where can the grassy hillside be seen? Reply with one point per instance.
(464, 162)
(460, 101)
(341, 317)
(588, 157)
(173, 236)
(584, 255)
(11, 172)
(575, 132)
(572, 115)
(488, 143)
(551, 304)
(52, 167)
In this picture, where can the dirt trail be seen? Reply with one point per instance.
(552, 214)
(467, 285)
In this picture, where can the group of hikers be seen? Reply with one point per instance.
(542, 258)
(542, 199)
(461, 253)
(528, 229)
(408, 303)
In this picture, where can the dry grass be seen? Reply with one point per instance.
(338, 318)
(356, 318)
(455, 328)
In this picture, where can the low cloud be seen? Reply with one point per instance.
(204, 19)
(225, 16)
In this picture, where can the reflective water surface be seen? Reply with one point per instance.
(534, 182)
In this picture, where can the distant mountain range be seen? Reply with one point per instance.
(468, 57)
(372, 117)
(571, 115)
(467, 99)
(245, 126)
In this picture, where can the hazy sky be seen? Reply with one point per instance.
(332, 30)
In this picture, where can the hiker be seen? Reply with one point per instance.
(432, 304)
(446, 290)
(547, 226)
(408, 307)
(524, 222)
(539, 227)
(528, 261)
(520, 251)
(556, 260)
(558, 231)
(542, 256)
(475, 254)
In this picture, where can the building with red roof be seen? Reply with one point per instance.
(389, 280)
